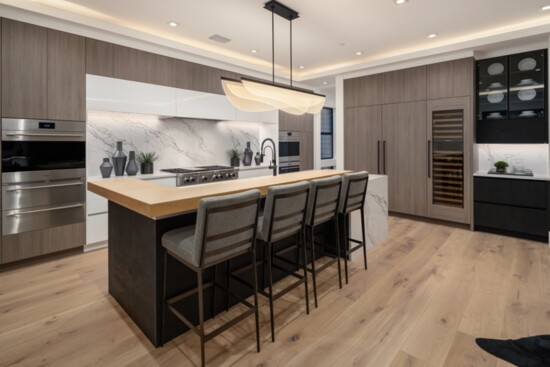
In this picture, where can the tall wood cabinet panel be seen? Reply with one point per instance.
(306, 151)
(362, 91)
(363, 139)
(450, 127)
(24, 70)
(406, 156)
(405, 85)
(66, 76)
(290, 122)
(451, 78)
(142, 66)
(100, 58)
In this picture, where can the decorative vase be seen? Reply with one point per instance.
(247, 156)
(132, 167)
(147, 168)
(106, 168)
(235, 162)
(258, 159)
(119, 160)
(501, 170)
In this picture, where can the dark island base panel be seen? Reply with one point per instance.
(136, 266)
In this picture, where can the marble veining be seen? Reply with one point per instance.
(531, 156)
(178, 142)
(376, 214)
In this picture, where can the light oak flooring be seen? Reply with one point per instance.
(429, 291)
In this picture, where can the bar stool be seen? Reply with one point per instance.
(226, 227)
(352, 198)
(322, 207)
(284, 217)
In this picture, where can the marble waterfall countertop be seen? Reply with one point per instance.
(157, 201)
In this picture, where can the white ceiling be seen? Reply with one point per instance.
(326, 36)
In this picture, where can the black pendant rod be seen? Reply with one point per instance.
(273, 44)
(291, 52)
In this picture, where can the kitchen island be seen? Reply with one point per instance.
(140, 212)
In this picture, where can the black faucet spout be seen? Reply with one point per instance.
(273, 162)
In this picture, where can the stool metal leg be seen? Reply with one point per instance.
(345, 245)
(313, 272)
(163, 322)
(270, 280)
(201, 315)
(364, 237)
(336, 229)
(228, 275)
(256, 306)
(303, 242)
(214, 272)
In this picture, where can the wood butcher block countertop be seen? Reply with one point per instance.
(158, 201)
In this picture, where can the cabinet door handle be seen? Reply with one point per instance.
(384, 147)
(429, 158)
(378, 156)
(18, 213)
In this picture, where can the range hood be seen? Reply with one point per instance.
(117, 95)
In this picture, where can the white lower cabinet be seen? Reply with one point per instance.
(97, 215)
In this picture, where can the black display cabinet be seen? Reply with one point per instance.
(511, 99)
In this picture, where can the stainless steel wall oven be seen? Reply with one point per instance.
(43, 174)
(289, 151)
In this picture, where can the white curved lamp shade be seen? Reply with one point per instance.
(255, 96)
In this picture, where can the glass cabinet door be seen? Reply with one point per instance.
(448, 158)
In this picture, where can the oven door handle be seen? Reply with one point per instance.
(47, 135)
(44, 210)
(20, 188)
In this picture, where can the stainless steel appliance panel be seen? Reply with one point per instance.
(289, 146)
(288, 167)
(42, 130)
(25, 195)
(42, 217)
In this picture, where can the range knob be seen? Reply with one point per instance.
(227, 175)
(233, 174)
(186, 180)
(203, 178)
(192, 179)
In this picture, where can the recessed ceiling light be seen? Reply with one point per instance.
(432, 35)
(358, 53)
(546, 7)
(325, 83)
(301, 66)
(173, 24)
(400, 2)
(254, 51)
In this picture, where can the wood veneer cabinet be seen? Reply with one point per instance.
(451, 79)
(66, 76)
(306, 142)
(24, 70)
(43, 73)
(290, 122)
(100, 58)
(405, 155)
(405, 85)
(363, 139)
(45, 241)
(207, 79)
(142, 66)
(363, 91)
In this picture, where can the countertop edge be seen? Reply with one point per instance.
(512, 177)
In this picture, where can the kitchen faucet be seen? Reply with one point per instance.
(273, 162)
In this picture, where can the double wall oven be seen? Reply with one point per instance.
(43, 174)
(289, 151)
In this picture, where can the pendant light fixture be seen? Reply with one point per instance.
(259, 96)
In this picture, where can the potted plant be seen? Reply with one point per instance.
(146, 161)
(501, 166)
(235, 157)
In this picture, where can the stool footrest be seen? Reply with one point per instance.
(188, 293)
(323, 267)
(354, 240)
(349, 251)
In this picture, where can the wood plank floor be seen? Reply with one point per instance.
(430, 290)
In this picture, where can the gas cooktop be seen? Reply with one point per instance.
(204, 174)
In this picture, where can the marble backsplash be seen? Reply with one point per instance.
(178, 142)
(531, 156)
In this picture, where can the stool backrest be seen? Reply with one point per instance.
(226, 227)
(354, 191)
(284, 210)
(324, 197)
